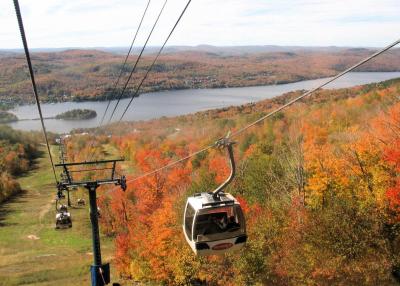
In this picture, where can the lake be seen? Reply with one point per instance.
(178, 102)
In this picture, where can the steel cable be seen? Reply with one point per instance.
(31, 73)
(136, 94)
(118, 79)
(137, 61)
(317, 88)
(124, 64)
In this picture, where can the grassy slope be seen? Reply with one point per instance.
(62, 256)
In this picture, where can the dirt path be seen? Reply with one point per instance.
(44, 210)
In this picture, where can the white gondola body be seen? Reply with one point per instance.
(204, 227)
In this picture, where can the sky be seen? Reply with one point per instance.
(112, 23)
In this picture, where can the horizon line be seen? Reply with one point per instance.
(192, 46)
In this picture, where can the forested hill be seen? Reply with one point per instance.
(318, 183)
(90, 74)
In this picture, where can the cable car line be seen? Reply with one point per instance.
(124, 64)
(238, 132)
(90, 156)
(32, 75)
(172, 163)
(137, 61)
(136, 94)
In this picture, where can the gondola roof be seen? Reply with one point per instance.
(207, 200)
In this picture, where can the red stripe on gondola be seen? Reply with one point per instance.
(222, 246)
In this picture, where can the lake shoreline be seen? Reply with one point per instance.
(103, 98)
(180, 102)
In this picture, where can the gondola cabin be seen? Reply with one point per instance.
(214, 224)
(63, 220)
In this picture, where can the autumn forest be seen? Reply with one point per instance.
(318, 184)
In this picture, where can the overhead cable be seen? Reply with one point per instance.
(32, 75)
(111, 97)
(124, 64)
(136, 94)
(137, 61)
(317, 88)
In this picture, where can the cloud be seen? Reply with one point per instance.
(85, 23)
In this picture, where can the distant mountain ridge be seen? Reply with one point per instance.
(221, 50)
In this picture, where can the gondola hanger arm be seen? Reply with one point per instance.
(228, 144)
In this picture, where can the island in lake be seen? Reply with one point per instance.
(7, 117)
(77, 114)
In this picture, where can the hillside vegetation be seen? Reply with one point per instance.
(90, 74)
(318, 184)
(18, 150)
